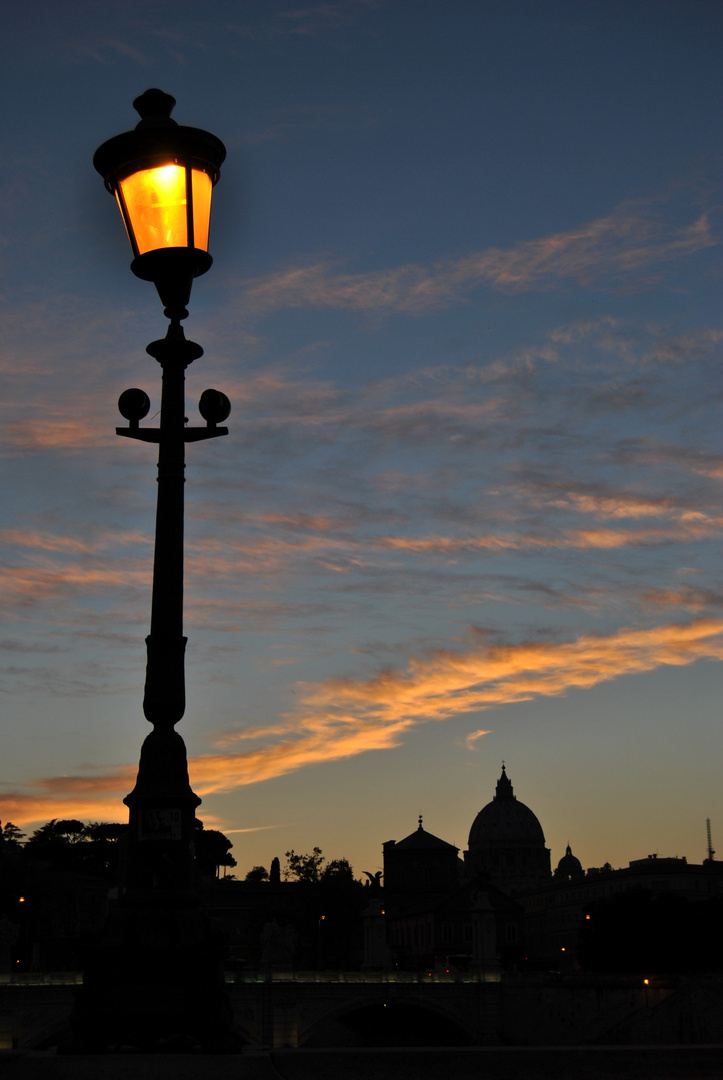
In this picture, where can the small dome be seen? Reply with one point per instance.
(569, 866)
(505, 821)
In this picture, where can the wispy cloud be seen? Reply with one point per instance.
(594, 539)
(445, 683)
(652, 452)
(631, 238)
(56, 432)
(332, 14)
(696, 599)
(345, 716)
(41, 564)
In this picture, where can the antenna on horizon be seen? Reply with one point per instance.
(711, 852)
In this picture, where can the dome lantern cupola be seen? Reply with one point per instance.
(504, 786)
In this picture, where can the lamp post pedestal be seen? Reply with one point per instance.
(154, 982)
(162, 813)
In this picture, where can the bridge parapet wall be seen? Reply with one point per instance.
(293, 1010)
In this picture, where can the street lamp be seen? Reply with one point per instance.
(156, 976)
(162, 176)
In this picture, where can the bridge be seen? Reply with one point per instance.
(335, 1009)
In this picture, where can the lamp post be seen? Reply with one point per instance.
(162, 176)
(155, 977)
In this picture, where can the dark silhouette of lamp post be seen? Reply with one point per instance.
(155, 978)
(162, 176)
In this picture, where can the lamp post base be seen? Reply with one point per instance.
(154, 982)
(154, 979)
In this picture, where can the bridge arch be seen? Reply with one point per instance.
(385, 1020)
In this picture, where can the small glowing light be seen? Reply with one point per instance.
(646, 982)
(562, 949)
(587, 916)
(21, 899)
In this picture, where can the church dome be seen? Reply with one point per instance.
(569, 866)
(505, 821)
(507, 844)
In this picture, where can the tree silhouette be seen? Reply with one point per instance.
(10, 836)
(306, 868)
(258, 873)
(212, 850)
(73, 846)
(337, 872)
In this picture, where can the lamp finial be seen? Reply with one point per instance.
(154, 107)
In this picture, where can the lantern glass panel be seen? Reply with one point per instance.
(156, 203)
(202, 188)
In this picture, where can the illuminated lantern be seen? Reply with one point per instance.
(163, 176)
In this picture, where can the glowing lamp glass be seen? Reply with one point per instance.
(157, 210)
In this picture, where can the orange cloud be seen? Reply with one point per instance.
(44, 541)
(474, 736)
(55, 564)
(692, 527)
(342, 717)
(23, 585)
(88, 798)
(623, 505)
(36, 539)
(691, 597)
(56, 432)
(447, 682)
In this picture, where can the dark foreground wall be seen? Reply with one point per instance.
(629, 1063)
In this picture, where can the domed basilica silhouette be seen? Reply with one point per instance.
(501, 903)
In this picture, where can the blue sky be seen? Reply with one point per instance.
(465, 302)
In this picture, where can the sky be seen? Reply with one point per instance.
(465, 302)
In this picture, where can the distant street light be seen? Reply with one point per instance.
(156, 978)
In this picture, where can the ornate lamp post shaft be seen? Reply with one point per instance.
(164, 701)
(162, 805)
